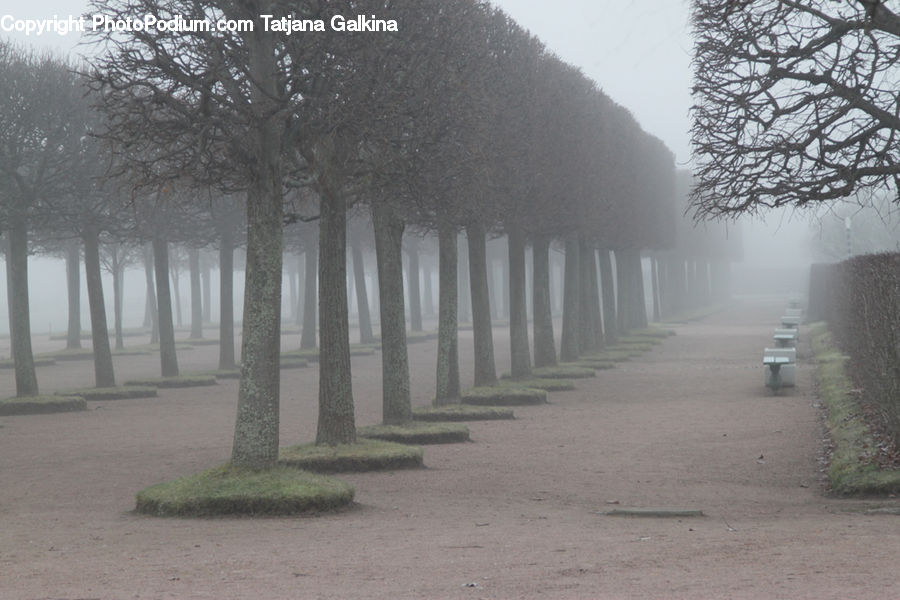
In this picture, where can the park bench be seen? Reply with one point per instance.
(790, 321)
(781, 367)
(786, 337)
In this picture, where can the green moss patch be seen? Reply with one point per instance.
(73, 354)
(113, 393)
(307, 354)
(181, 381)
(201, 342)
(639, 340)
(365, 455)
(225, 373)
(293, 363)
(592, 363)
(38, 362)
(461, 412)
(36, 405)
(541, 383)
(503, 395)
(417, 337)
(417, 433)
(853, 468)
(610, 354)
(563, 372)
(228, 490)
(137, 351)
(653, 332)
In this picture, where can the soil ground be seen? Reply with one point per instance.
(517, 513)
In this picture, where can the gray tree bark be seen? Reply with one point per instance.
(447, 388)
(196, 298)
(118, 275)
(396, 403)
(362, 297)
(608, 288)
(571, 300)
(310, 294)
(542, 324)
(587, 329)
(520, 355)
(412, 276)
(226, 302)
(336, 423)
(482, 332)
(151, 313)
(73, 287)
(167, 355)
(103, 365)
(18, 305)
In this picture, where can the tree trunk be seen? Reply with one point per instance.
(226, 302)
(310, 294)
(462, 277)
(415, 296)
(485, 370)
(256, 429)
(205, 277)
(73, 286)
(196, 299)
(362, 297)
(655, 288)
(167, 356)
(447, 389)
(598, 340)
(608, 288)
(520, 355)
(293, 268)
(103, 365)
(427, 291)
(336, 418)
(586, 328)
(118, 274)
(151, 310)
(542, 323)
(396, 403)
(632, 312)
(571, 300)
(175, 274)
(19, 311)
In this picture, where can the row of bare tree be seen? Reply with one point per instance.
(459, 122)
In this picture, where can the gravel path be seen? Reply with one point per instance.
(518, 513)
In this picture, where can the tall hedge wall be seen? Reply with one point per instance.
(860, 300)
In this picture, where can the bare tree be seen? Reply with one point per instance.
(795, 102)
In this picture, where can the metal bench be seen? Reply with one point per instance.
(781, 367)
(786, 338)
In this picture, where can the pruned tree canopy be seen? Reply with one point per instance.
(796, 102)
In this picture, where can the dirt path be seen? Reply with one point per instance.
(516, 514)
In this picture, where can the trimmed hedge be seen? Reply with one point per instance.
(853, 468)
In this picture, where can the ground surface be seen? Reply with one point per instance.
(515, 514)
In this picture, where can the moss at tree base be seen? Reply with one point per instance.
(113, 393)
(365, 455)
(503, 395)
(180, 381)
(461, 412)
(228, 490)
(36, 405)
(417, 433)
